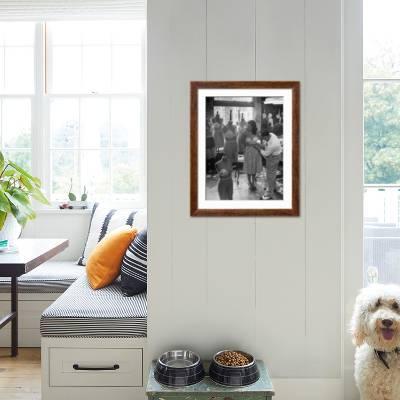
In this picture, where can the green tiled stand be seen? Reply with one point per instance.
(209, 390)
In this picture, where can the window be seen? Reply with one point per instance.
(73, 105)
(17, 90)
(381, 141)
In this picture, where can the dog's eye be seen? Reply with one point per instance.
(378, 303)
(395, 306)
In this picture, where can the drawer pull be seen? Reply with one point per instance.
(78, 368)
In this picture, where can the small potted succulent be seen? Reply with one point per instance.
(73, 203)
(17, 189)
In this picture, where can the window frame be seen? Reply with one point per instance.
(40, 121)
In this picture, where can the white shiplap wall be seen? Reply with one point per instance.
(269, 285)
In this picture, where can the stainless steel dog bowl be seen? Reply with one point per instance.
(179, 368)
(234, 375)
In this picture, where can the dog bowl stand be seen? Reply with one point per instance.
(209, 390)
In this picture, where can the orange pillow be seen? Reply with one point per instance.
(104, 262)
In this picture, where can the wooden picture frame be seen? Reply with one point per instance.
(225, 181)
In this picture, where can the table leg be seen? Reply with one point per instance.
(14, 322)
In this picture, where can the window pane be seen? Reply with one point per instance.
(95, 57)
(125, 122)
(64, 167)
(66, 69)
(96, 69)
(381, 235)
(2, 89)
(101, 132)
(17, 33)
(381, 38)
(16, 124)
(126, 171)
(382, 133)
(95, 126)
(127, 69)
(64, 33)
(96, 32)
(64, 123)
(126, 32)
(381, 142)
(95, 172)
(20, 157)
(18, 69)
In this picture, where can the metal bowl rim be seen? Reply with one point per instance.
(235, 366)
(234, 386)
(169, 351)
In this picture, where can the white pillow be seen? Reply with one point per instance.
(106, 219)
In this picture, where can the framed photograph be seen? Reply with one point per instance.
(245, 148)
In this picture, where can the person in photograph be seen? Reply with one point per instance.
(264, 122)
(242, 135)
(225, 184)
(272, 152)
(231, 126)
(230, 146)
(218, 135)
(252, 155)
(217, 118)
(210, 153)
(270, 121)
(278, 128)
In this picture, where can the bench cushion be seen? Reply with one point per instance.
(84, 312)
(50, 277)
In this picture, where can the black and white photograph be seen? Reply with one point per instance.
(244, 148)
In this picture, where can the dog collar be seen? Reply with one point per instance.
(381, 355)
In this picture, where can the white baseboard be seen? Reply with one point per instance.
(308, 389)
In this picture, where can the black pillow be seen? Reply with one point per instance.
(134, 266)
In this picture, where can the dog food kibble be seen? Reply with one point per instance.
(232, 359)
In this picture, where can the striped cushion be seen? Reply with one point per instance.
(105, 220)
(84, 312)
(50, 277)
(134, 266)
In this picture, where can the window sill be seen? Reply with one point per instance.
(64, 212)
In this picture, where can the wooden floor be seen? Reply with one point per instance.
(20, 376)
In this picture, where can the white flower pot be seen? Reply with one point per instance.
(11, 229)
(78, 205)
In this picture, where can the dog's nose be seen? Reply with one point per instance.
(387, 322)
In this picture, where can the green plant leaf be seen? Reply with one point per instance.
(3, 216)
(21, 218)
(34, 191)
(39, 196)
(20, 206)
(20, 195)
(4, 203)
(35, 180)
(2, 163)
(10, 172)
(71, 196)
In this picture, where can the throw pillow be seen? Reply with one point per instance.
(105, 219)
(134, 266)
(104, 262)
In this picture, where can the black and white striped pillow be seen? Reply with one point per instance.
(134, 266)
(105, 220)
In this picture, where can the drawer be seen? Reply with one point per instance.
(95, 367)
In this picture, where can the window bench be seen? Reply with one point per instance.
(93, 344)
(37, 290)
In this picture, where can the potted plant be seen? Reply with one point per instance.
(17, 189)
(73, 203)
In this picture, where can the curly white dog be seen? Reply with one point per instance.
(376, 333)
